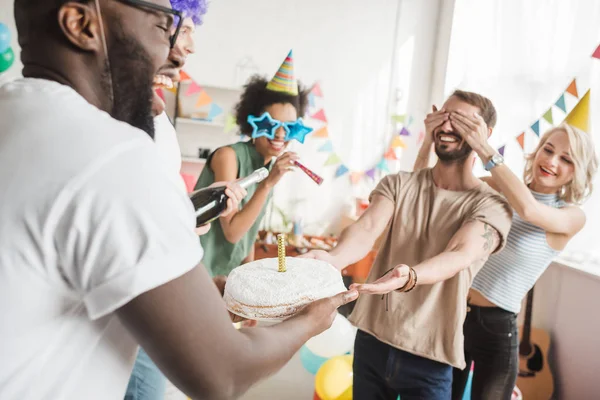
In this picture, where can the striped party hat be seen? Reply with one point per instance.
(284, 80)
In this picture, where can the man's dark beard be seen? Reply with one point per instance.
(454, 156)
(132, 81)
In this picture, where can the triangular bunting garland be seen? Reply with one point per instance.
(501, 150)
(311, 99)
(342, 169)
(572, 89)
(560, 103)
(316, 90)
(333, 159)
(597, 53)
(404, 132)
(230, 123)
(397, 142)
(521, 140)
(390, 155)
(193, 89)
(355, 177)
(421, 137)
(382, 165)
(579, 117)
(371, 173)
(320, 115)
(536, 127)
(321, 133)
(410, 120)
(183, 76)
(548, 116)
(214, 111)
(398, 118)
(203, 100)
(327, 147)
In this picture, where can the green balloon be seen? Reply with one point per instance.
(7, 59)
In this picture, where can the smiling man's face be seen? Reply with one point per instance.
(449, 146)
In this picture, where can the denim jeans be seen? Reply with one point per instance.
(146, 382)
(492, 342)
(382, 372)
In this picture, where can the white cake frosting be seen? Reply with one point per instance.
(259, 290)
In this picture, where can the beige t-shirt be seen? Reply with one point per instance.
(427, 321)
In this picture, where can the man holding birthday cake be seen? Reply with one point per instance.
(442, 223)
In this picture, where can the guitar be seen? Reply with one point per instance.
(535, 378)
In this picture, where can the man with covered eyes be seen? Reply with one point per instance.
(98, 252)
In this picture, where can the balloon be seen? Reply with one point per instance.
(335, 341)
(310, 361)
(6, 59)
(4, 38)
(334, 379)
(316, 396)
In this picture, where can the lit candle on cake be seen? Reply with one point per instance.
(281, 252)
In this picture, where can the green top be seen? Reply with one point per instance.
(220, 256)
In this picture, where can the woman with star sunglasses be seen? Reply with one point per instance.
(269, 113)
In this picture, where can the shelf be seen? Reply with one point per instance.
(193, 160)
(199, 122)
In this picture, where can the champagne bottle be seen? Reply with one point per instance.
(210, 202)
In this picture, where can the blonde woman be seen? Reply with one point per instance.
(557, 179)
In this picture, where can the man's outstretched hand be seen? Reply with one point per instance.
(391, 281)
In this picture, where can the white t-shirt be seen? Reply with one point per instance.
(89, 220)
(165, 137)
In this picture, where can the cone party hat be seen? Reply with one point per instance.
(579, 117)
(284, 80)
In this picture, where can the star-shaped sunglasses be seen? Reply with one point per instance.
(266, 126)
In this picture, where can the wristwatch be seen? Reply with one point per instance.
(496, 160)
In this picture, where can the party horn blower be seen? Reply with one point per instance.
(318, 180)
(281, 252)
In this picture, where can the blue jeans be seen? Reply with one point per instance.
(382, 372)
(146, 382)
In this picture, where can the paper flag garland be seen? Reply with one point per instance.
(548, 116)
(579, 117)
(596, 53)
(333, 159)
(398, 118)
(160, 94)
(316, 90)
(421, 137)
(203, 100)
(214, 111)
(342, 169)
(371, 173)
(501, 151)
(410, 120)
(183, 76)
(390, 155)
(397, 142)
(311, 99)
(230, 123)
(193, 89)
(382, 165)
(321, 133)
(404, 132)
(320, 115)
(572, 89)
(560, 103)
(536, 127)
(326, 147)
(355, 177)
(521, 140)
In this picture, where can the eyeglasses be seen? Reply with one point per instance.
(266, 126)
(177, 15)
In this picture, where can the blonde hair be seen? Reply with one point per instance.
(584, 159)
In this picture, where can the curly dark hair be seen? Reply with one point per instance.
(256, 98)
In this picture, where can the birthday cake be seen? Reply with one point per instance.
(258, 290)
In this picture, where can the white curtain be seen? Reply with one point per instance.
(523, 55)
